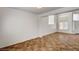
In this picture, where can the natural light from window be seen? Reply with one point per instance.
(51, 19)
(75, 17)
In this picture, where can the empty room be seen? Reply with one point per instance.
(39, 29)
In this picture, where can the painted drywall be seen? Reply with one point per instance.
(44, 27)
(16, 26)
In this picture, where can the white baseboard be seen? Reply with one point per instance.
(41, 35)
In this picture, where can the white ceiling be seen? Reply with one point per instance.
(38, 10)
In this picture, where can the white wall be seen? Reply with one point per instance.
(44, 27)
(16, 26)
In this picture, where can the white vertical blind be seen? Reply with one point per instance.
(75, 17)
(51, 19)
(63, 25)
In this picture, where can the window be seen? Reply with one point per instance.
(51, 19)
(60, 25)
(75, 17)
(63, 25)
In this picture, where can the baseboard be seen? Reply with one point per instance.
(17, 42)
(41, 35)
